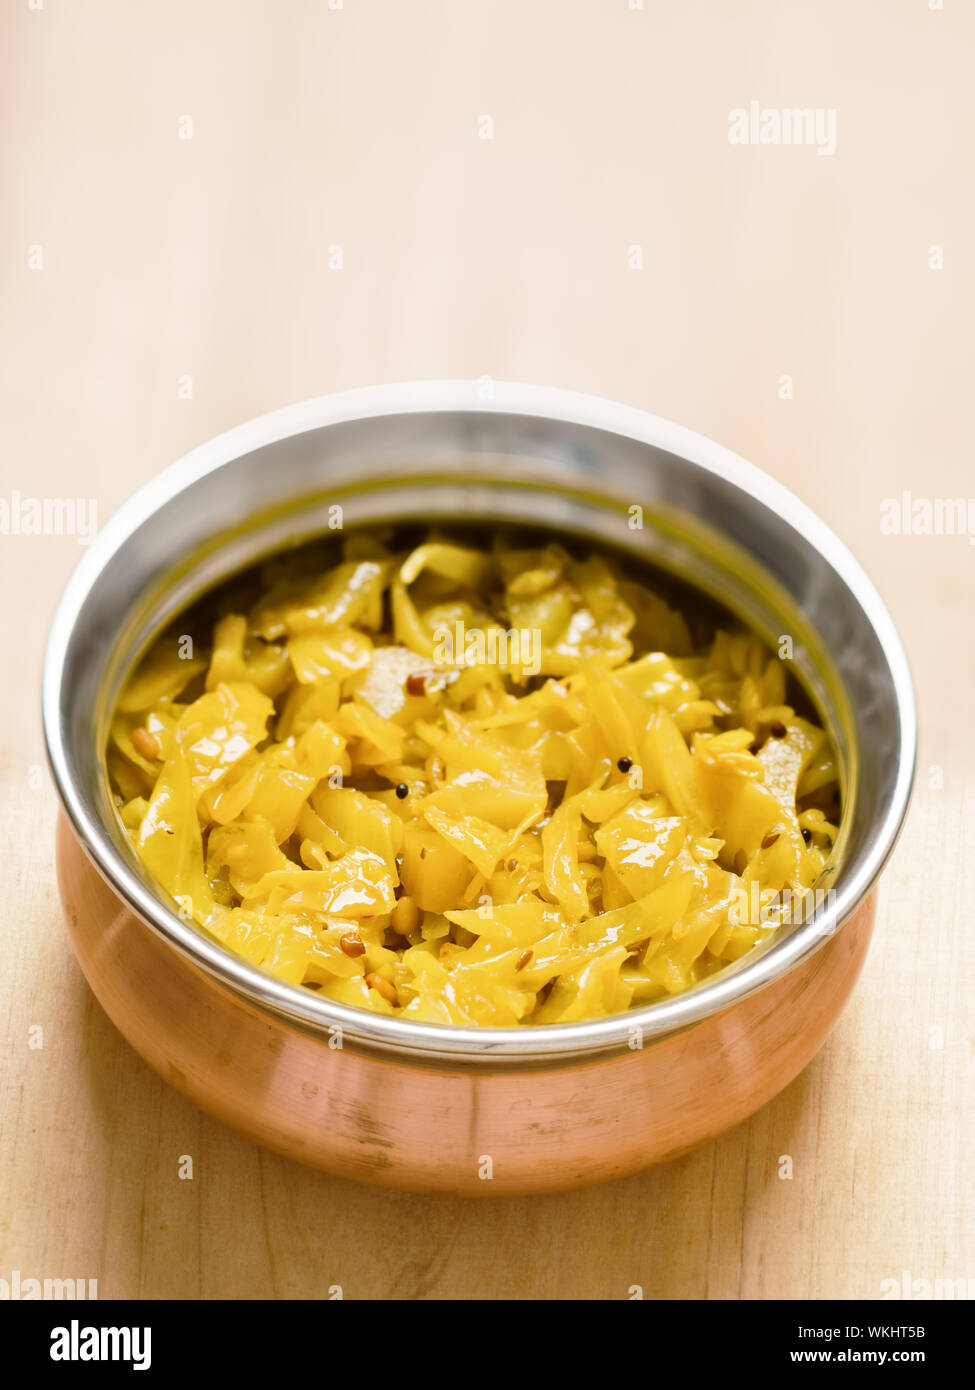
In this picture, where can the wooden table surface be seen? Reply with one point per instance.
(212, 211)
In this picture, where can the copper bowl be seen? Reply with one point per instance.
(431, 1107)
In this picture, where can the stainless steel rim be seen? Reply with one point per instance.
(435, 1043)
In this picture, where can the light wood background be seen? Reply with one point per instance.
(359, 127)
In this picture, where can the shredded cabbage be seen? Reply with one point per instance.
(468, 785)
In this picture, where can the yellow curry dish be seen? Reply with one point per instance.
(477, 784)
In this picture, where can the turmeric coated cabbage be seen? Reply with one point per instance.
(472, 785)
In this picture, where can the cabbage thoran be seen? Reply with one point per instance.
(472, 785)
